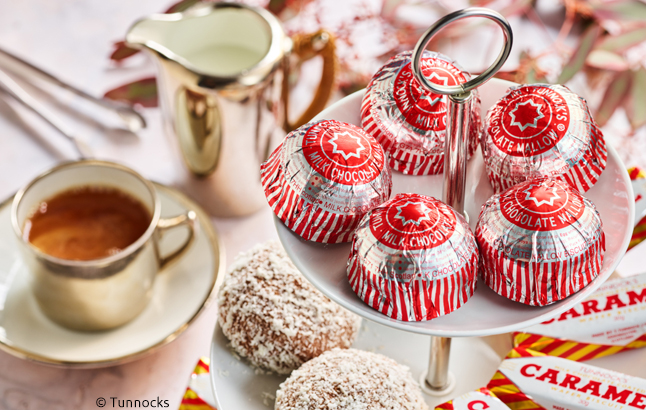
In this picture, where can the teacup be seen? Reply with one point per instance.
(97, 294)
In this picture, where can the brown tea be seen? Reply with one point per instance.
(87, 223)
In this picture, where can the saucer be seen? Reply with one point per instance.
(180, 294)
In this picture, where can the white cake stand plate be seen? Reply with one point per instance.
(486, 313)
(473, 359)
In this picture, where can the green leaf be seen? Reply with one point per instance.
(577, 60)
(606, 60)
(516, 7)
(142, 92)
(622, 41)
(622, 10)
(635, 104)
(534, 78)
(613, 97)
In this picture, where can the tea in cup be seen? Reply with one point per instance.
(86, 223)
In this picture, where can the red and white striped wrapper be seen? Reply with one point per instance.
(542, 130)
(410, 122)
(413, 259)
(324, 178)
(540, 242)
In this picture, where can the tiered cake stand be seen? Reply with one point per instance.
(473, 360)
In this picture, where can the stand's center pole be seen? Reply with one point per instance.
(455, 151)
(437, 377)
(455, 175)
(437, 381)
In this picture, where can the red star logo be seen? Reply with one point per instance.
(438, 97)
(542, 195)
(526, 114)
(413, 212)
(350, 145)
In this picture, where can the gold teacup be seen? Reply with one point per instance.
(102, 293)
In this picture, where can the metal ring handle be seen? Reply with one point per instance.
(474, 82)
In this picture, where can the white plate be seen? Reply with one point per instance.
(239, 386)
(181, 292)
(486, 313)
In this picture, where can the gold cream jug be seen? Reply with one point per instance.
(222, 78)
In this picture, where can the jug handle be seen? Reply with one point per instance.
(307, 46)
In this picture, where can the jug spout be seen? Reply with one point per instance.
(148, 33)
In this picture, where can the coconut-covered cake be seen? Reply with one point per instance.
(274, 317)
(350, 379)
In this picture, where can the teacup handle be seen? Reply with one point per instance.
(307, 46)
(186, 219)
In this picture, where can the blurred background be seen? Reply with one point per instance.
(596, 47)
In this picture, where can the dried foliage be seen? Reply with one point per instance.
(609, 46)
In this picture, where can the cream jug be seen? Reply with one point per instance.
(222, 78)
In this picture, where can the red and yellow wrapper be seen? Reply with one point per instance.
(540, 241)
(481, 399)
(528, 380)
(413, 258)
(611, 320)
(191, 399)
(324, 178)
(409, 121)
(542, 130)
(638, 178)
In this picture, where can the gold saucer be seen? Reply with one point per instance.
(181, 293)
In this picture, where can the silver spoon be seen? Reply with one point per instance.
(11, 88)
